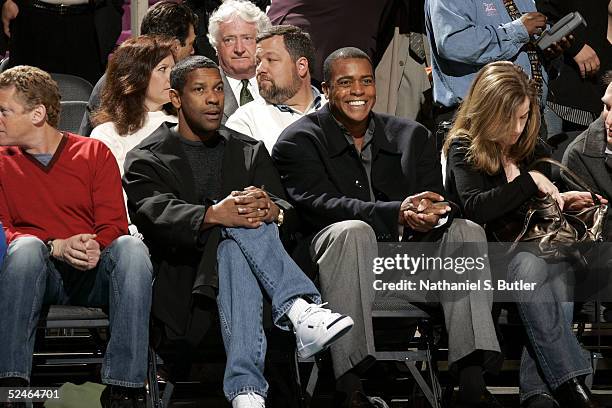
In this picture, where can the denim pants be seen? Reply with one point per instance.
(553, 355)
(122, 281)
(251, 263)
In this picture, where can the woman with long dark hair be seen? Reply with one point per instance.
(136, 95)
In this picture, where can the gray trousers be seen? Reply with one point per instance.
(344, 253)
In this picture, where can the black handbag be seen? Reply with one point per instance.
(553, 232)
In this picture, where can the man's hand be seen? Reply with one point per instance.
(588, 61)
(534, 23)
(229, 212)
(92, 249)
(578, 200)
(252, 199)
(80, 251)
(420, 211)
(9, 12)
(557, 48)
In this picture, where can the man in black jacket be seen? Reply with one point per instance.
(191, 192)
(358, 178)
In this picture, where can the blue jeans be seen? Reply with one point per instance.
(252, 262)
(553, 355)
(122, 281)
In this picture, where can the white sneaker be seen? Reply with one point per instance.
(250, 400)
(317, 328)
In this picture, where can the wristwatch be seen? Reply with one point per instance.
(49, 245)
(280, 218)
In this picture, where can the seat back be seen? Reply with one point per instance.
(73, 88)
(71, 115)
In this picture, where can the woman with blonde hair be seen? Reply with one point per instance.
(489, 151)
(136, 96)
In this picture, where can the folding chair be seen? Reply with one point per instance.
(90, 320)
(391, 308)
(71, 115)
(72, 88)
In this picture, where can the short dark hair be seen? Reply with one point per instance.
(178, 75)
(343, 53)
(297, 42)
(170, 19)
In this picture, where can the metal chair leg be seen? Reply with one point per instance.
(154, 399)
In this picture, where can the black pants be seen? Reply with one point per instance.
(56, 43)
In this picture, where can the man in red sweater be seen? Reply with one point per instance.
(62, 208)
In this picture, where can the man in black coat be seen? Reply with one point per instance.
(358, 178)
(191, 192)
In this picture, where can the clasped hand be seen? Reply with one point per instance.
(81, 251)
(249, 208)
(422, 211)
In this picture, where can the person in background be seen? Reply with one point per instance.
(285, 59)
(136, 94)
(574, 98)
(232, 32)
(74, 37)
(203, 9)
(166, 18)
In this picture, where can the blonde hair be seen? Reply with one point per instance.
(34, 87)
(486, 117)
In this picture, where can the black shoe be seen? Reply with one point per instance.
(540, 401)
(487, 400)
(114, 396)
(574, 394)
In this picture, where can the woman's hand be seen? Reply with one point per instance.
(578, 200)
(547, 187)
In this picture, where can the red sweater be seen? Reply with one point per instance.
(78, 192)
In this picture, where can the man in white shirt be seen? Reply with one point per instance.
(232, 30)
(285, 60)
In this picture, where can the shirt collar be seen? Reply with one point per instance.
(317, 101)
(367, 138)
(236, 84)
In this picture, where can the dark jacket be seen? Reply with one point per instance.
(331, 25)
(486, 198)
(231, 104)
(162, 202)
(569, 88)
(326, 181)
(587, 158)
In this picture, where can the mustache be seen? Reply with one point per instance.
(264, 77)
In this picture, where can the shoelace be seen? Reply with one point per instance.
(312, 310)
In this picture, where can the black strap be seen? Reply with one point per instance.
(532, 53)
(577, 179)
